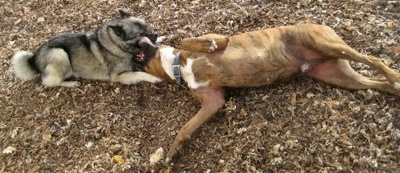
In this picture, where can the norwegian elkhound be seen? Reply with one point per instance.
(108, 53)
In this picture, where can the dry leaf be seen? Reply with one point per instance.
(40, 19)
(196, 2)
(89, 145)
(243, 112)
(293, 100)
(46, 136)
(142, 3)
(156, 156)
(17, 22)
(390, 24)
(9, 150)
(118, 159)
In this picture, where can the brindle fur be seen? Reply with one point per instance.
(267, 56)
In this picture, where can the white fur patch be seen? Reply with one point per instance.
(305, 67)
(397, 85)
(208, 61)
(160, 39)
(213, 45)
(130, 78)
(189, 77)
(167, 59)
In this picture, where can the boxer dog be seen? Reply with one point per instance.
(211, 62)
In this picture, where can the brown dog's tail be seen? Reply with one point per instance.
(205, 44)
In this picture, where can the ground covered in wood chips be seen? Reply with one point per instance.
(299, 126)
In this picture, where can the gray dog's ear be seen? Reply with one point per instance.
(124, 14)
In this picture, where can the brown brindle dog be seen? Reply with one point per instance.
(209, 63)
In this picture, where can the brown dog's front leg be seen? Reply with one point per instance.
(206, 43)
(212, 100)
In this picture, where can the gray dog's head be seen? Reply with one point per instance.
(136, 36)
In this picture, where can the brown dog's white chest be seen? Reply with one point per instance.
(167, 57)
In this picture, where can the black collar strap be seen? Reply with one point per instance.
(177, 70)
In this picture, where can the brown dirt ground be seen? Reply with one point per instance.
(299, 126)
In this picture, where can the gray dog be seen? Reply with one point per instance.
(109, 53)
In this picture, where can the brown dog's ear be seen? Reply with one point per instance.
(124, 14)
(205, 44)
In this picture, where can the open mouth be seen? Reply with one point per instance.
(140, 55)
(143, 43)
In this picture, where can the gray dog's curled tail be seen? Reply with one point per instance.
(22, 68)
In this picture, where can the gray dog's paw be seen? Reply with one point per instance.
(77, 84)
(71, 84)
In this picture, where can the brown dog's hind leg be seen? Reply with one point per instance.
(339, 72)
(212, 100)
(334, 47)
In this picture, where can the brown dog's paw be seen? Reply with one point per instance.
(206, 43)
